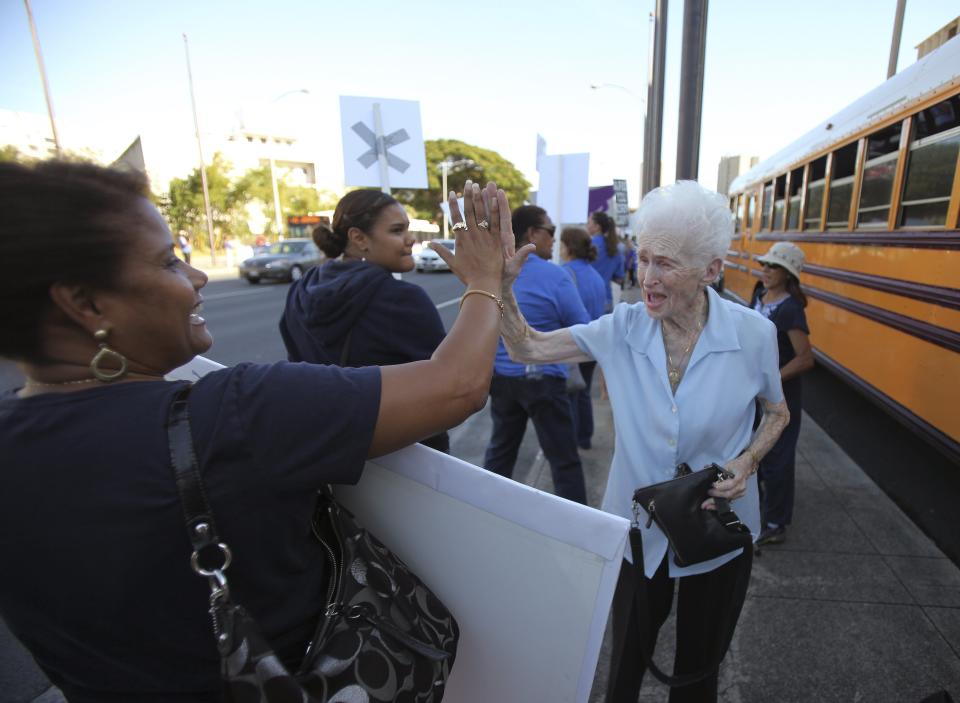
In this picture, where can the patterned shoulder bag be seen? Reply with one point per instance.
(384, 635)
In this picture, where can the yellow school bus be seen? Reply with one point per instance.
(872, 196)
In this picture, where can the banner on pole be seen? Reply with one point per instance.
(400, 142)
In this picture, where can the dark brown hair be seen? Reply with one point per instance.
(794, 289)
(523, 218)
(360, 209)
(60, 222)
(609, 229)
(578, 243)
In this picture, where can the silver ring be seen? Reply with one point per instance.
(483, 224)
(459, 226)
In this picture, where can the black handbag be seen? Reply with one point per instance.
(383, 637)
(695, 535)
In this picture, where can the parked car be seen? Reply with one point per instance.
(429, 260)
(284, 261)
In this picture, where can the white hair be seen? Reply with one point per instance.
(698, 219)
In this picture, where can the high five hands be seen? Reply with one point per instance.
(485, 245)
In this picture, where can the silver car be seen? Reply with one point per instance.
(283, 261)
(429, 260)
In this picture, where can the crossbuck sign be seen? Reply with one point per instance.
(382, 143)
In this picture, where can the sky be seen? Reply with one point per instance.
(494, 74)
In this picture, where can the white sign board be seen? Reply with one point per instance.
(564, 192)
(529, 576)
(400, 140)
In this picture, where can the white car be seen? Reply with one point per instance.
(429, 260)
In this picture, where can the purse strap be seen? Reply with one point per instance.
(198, 517)
(726, 629)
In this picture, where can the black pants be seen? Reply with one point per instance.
(545, 401)
(777, 470)
(581, 407)
(701, 604)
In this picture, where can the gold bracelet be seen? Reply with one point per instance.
(492, 297)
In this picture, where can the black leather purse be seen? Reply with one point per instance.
(694, 534)
(384, 635)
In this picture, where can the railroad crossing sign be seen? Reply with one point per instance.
(382, 143)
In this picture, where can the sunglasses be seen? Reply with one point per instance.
(549, 229)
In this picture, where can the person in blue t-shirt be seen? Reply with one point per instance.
(519, 392)
(577, 251)
(609, 261)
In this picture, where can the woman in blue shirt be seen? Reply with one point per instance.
(96, 310)
(609, 261)
(779, 298)
(684, 369)
(577, 251)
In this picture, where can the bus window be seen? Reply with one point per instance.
(793, 211)
(740, 214)
(751, 209)
(767, 206)
(931, 165)
(779, 205)
(818, 176)
(879, 170)
(841, 187)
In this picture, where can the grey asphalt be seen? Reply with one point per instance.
(857, 605)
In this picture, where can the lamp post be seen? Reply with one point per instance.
(639, 99)
(271, 146)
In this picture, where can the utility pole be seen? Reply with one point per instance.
(691, 88)
(203, 165)
(895, 41)
(445, 165)
(653, 130)
(43, 77)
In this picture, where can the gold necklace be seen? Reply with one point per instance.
(674, 371)
(30, 382)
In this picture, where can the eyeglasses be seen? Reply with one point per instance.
(549, 229)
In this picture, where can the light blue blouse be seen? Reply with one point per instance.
(709, 420)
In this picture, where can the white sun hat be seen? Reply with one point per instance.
(786, 255)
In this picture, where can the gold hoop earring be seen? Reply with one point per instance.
(107, 353)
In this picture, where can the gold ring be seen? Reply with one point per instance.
(459, 225)
(483, 224)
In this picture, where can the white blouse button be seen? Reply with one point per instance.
(672, 442)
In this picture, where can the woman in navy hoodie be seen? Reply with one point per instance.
(352, 311)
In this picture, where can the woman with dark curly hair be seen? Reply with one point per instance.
(96, 310)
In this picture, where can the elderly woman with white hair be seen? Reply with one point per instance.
(684, 369)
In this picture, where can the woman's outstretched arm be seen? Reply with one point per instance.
(423, 398)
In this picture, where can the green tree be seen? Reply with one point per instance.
(466, 162)
(255, 184)
(9, 152)
(183, 206)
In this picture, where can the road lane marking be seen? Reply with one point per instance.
(235, 293)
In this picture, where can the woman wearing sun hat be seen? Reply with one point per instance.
(779, 298)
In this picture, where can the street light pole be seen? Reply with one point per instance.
(43, 78)
(271, 147)
(445, 166)
(203, 165)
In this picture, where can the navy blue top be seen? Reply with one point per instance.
(389, 321)
(97, 582)
(386, 321)
(589, 285)
(787, 314)
(549, 301)
(609, 267)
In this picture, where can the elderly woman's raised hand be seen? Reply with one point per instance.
(479, 231)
